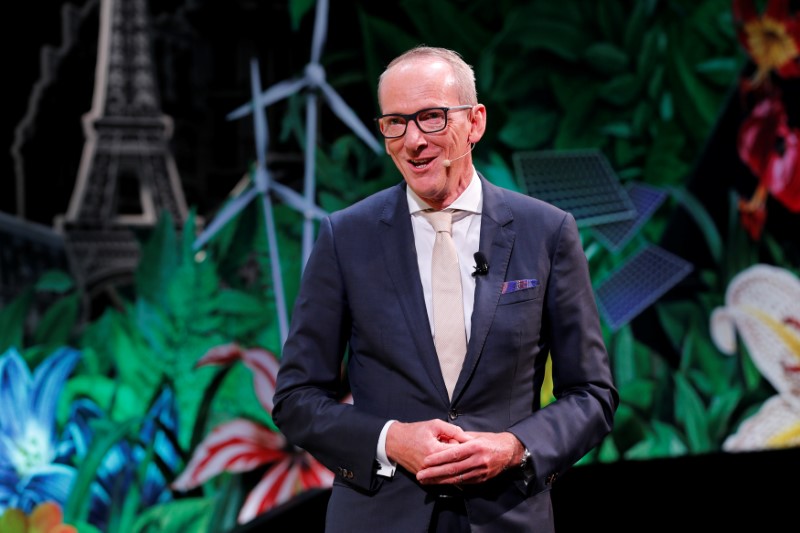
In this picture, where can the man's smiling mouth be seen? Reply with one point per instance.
(420, 163)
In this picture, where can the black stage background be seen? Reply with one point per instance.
(753, 492)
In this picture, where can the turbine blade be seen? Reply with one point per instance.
(294, 200)
(224, 216)
(277, 92)
(341, 109)
(260, 116)
(320, 30)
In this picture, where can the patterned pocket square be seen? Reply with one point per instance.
(519, 285)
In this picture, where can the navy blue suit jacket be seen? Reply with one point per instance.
(361, 307)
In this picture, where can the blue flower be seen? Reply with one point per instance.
(32, 470)
(120, 468)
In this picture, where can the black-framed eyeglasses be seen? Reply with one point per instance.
(429, 120)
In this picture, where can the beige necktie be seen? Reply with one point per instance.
(449, 333)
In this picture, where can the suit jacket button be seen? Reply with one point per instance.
(453, 414)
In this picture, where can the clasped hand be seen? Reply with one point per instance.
(442, 453)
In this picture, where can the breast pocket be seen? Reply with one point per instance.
(520, 295)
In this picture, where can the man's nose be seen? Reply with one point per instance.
(414, 136)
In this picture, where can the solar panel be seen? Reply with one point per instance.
(637, 283)
(580, 182)
(646, 199)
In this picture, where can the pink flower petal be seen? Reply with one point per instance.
(265, 367)
(261, 362)
(277, 486)
(282, 482)
(221, 355)
(236, 446)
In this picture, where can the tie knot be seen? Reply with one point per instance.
(440, 220)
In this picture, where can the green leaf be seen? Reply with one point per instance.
(561, 38)
(105, 436)
(721, 71)
(297, 10)
(629, 428)
(639, 393)
(12, 320)
(84, 527)
(622, 130)
(528, 129)
(509, 86)
(606, 58)
(239, 303)
(383, 39)
(752, 374)
(56, 325)
(644, 115)
(696, 103)
(637, 24)
(690, 412)
(186, 515)
(718, 370)
(608, 452)
(158, 263)
(55, 281)
(610, 16)
(445, 22)
(648, 62)
(665, 164)
(620, 90)
(720, 412)
(227, 504)
(124, 510)
(663, 440)
(623, 357)
(498, 172)
(119, 400)
(576, 129)
(703, 220)
(666, 109)
(628, 153)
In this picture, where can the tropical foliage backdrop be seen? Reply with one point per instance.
(155, 415)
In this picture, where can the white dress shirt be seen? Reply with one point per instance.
(466, 234)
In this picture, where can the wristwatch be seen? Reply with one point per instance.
(525, 463)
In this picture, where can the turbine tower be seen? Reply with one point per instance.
(314, 83)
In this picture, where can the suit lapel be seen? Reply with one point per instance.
(497, 241)
(400, 256)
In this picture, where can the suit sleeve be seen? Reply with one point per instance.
(561, 433)
(309, 386)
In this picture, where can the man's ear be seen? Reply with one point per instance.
(478, 127)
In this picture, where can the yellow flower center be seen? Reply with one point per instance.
(770, 44)
(787, 438)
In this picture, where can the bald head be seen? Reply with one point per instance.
(463, 77)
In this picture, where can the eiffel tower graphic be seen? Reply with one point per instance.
(127, 176)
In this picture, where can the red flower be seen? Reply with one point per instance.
(753, 216)
(242, 445)
(771, 150)
(771, 39)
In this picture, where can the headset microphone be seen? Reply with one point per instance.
(447, 162)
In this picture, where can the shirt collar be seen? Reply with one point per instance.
(471, 199)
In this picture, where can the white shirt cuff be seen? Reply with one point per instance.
(386, 467)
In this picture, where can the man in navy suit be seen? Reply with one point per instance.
(409, 453)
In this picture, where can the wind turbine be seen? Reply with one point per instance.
(313, 79)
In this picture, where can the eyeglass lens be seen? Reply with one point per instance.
(427, 120)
